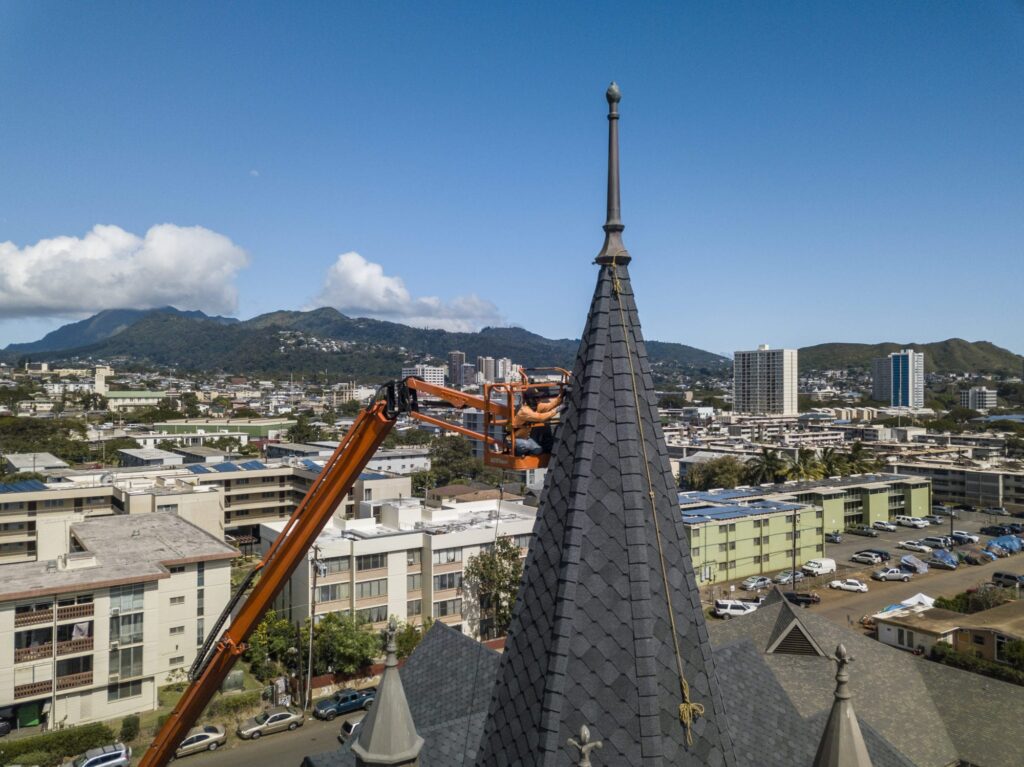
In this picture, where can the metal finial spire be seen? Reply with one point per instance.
(842, 743)
(843, 660)
(613, 251)
(583, 746)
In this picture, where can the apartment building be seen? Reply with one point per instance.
(401, 557)
(753, 530)
(899, 379)
(765, 381)
(432, 374)
(90, 634)
(978, 398)
(456, 363)
(978, 484)
(255, 428)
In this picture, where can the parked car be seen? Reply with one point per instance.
(207, 738)
(801, 599)
(937, 541)
(962, 536)
(906, 521)
(933, 519)
(5, 727)
(850, 584)
(344, 701)
(1008, 580)
(945, 511)
(883, 555)
(833, 537)
(997, 511)
(914, 546)
(821, 566)
(755, 582)
(866, 558)
(1015, 528)
(863, 530)
(887, 527)
(789, 576)
(116, 755)
(891, 574)
(995, 530)
(274, 720)
(964, 507)
(729, 608)
(350, 728)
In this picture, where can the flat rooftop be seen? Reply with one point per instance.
(34, 461)
(118, 549)
(150, 453)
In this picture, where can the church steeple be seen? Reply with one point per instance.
(842, 744)
(613, 249)
(608, 631)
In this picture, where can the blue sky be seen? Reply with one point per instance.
(793, 173)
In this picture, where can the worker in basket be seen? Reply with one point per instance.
(531, 425)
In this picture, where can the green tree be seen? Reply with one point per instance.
(109, 448)
(1013, 653)
(451, 460)
(342, 645)
(189, 404)
(725, 472)
(410, 634)
(64, 438)
(302, 431)
(494, 575)
(766, 467)
(833, 463)
(860, 460)
(804, 465)
(268, 645)
(350, 408)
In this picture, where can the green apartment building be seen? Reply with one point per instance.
(753, 530)
(256, 428)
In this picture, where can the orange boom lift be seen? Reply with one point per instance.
(223, 645)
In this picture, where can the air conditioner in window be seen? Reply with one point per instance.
(114, 678)
(115, 611)
(114, 645)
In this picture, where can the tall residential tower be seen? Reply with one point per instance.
(765, 381)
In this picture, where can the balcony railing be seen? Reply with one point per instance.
(66, 682)
(33, 617)
(32, 689)
(81, 644)
(75, 611)
(23, 654)
(74, 680)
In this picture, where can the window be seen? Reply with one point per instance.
(367, 494)
(177, 630)
(126, 690)
(522, 541)
(447, 581)
(731, 528)
(177, 660)
(169, 507)
(126, 629)
(201, 574)
(722, 547)
(414, 582)
(332, 592)
(819, 514)
(200, 601)
(371, 562)
(447, 607)
(178, 600)
(336, 565)
(695, 532)
(764, 539)
(413, 608)
(723, 566)
(732, 545)
(200, 631)
(757, 523)
(127, 599)
(372, 614)
(789, 536)
(757, 559)
(176, 569)
(447, 556)
(370, 589)
(414, 557)
(978, 639)
(126, 662)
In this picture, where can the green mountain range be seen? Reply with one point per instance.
(951, 356)
(291, 341)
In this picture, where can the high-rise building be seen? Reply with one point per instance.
(429, 373)
(765, 381)
(978, 398)
(899, 378)
(485, 367)
(456, 361)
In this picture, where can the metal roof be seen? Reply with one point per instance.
(24, 486)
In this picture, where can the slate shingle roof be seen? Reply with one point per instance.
(447, 682)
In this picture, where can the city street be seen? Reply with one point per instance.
(284, 749)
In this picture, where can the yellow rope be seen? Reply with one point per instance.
(688, 710)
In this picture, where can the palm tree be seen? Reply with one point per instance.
(833, 463)
(861, 461)
(804, 465)
(767, 467)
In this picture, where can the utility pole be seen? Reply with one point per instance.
(307, 701)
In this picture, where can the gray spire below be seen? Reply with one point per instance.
(388, 735)
(842, 744)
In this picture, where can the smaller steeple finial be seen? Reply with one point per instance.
(583, 746)
(613, 251)
(842, 744)
(843, 660)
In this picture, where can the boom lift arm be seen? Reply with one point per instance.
(371, 427)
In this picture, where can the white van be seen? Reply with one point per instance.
(910, 521)
(821, 566)
(728, 608)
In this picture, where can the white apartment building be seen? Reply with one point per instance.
(765, 381)
(978, 398)
(402, 558)
(430, 373)
(90, 634)
(899, 379)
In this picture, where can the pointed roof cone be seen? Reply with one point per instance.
(388, 735)
(842, 744)
(608, 630)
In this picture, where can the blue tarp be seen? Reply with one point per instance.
(942, 558)
(1011, 543)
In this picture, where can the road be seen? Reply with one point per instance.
(284, 749)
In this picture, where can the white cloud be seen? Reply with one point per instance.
(254, 173)
(109, 268)
(360, 288)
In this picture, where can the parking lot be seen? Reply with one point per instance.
(847, 608)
